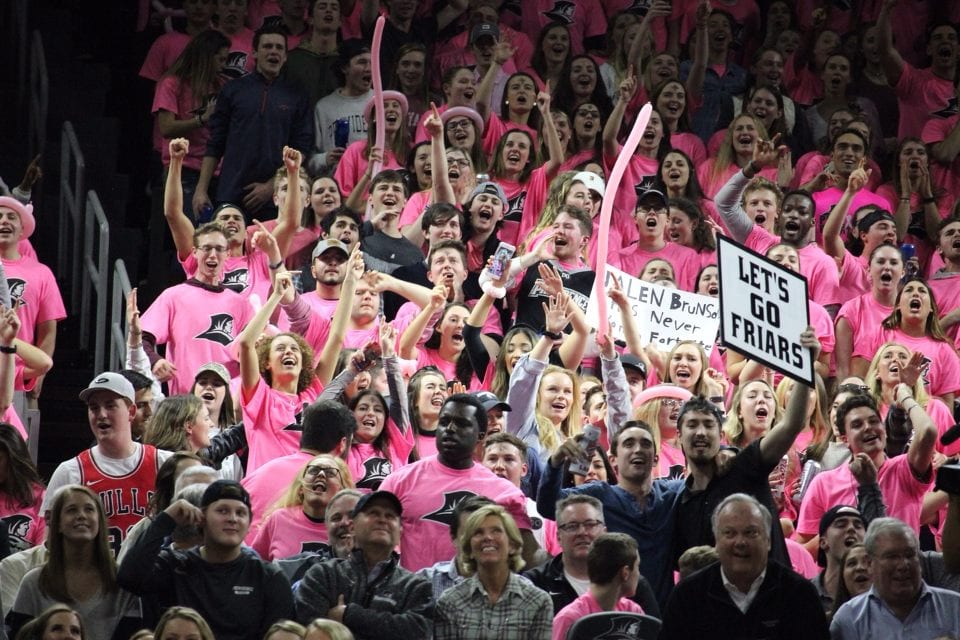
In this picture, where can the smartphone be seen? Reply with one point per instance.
(501, 257)
(588, 444)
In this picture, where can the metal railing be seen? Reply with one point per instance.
(72, 185)
(118, 317)
(95, 276)
(39, 97)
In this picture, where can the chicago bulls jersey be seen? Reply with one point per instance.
(124, 497)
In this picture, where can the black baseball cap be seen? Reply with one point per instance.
(366, 499)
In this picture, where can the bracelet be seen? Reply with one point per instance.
(8, 349)
(930, 200)
(907, 199)
(553, 335)
(276, 265)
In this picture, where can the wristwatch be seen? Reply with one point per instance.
(553, 335)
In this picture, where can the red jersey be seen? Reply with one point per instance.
(125, 497)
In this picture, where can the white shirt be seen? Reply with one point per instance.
(741, 599)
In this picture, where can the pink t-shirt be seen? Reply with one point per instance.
(23, 526)
(414, 207)
(902, 493)
(370, 466)
(352, 165)
(863, 313)
(923, 96)
(582, 606)
(33, 285)
(428, 491)
(197, 325)
(854, 276)
(712, 184)
(671, 461)
(170, 95)
(811, 164)
(803, 85)
(246, 275)
(162, 54)
(287, 532)
(240, 58)
(273, 420)
(690, 144)
(685, 261)
(801, 560)
(945, 176)
(537, 187)
(825, 201)
(941, 364)
(820, 270)
(641, 170)
(496, 128)
(267, 483)
(584, 18)
(946, 291)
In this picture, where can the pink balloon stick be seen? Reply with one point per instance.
(606, 210)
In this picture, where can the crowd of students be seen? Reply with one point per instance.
(376, 399)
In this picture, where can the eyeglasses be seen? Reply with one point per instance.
(655, 208)
(588, 526)
(215, 248)
(673, 403)
(330, 473)
(459, 124)
(457, 162)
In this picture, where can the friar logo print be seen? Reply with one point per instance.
(220, 329)
(235, 280)
(375, 471)
(18, 288)
(562, 12)
(444, 515)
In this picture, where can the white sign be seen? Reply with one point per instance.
(763, 310)
(664, 316)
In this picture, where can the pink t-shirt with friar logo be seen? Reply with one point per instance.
(685, 261)
(940, 368)
(429, 491)
(862, 314)
(923, 97)
(33, 285)
(370, 466)
(273, 420)
(820, 270)
(287, 532)
(247, 274)
(197, 325)
(902, 493)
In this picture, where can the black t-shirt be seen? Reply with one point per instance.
(577, 282)
(385, 254)
(747, 474)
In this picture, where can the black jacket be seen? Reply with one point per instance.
(549, 577)
(787, 607)
(397, 605)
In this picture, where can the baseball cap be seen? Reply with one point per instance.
(490, 401)
(874, 217)
(484, 29)
(225, 490)
(215, 368)
(329, 243)
(110, 381)
(25, 211)
(827, 519)
(387, 95)
(648, 194)
(463, 112)
(367, 498)
(591, 181)
(490, 188)
(630, 361)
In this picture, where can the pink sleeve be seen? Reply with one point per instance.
(516, 503)
(165, 96)
(533, 204)
(872, 338)
(261, 544)
(155, 319)
(909, 84)
(255, 405)
(949, 371)
(152, 68)
(348, 169)
(401, 443)
(937, 129)
(494, 129)
(812, 507)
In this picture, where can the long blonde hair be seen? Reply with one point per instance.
(733, 426)
(550, 438)
(918, 389)
(293, 496)
(726, 156)
(822, 433)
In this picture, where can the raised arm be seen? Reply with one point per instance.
(698, 69)
(766, 153)
(247, 340)
(780, 438)
(921, 450)
(890, 58)
(631, 330)
(9, 328)
(289, 218)
(399, 409)
(357, 199)
(628, 87)
(410, 339)
(502, 52)
(180, 225)
(551, 137)
(832, 243)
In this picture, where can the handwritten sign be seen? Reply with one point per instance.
(664, 316)
(763, 310)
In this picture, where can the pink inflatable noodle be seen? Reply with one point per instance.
(377, 90)
(606, 210)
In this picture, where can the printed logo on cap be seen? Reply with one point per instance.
(444, 515)
(220, 329)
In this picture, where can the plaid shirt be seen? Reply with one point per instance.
(523, 612)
